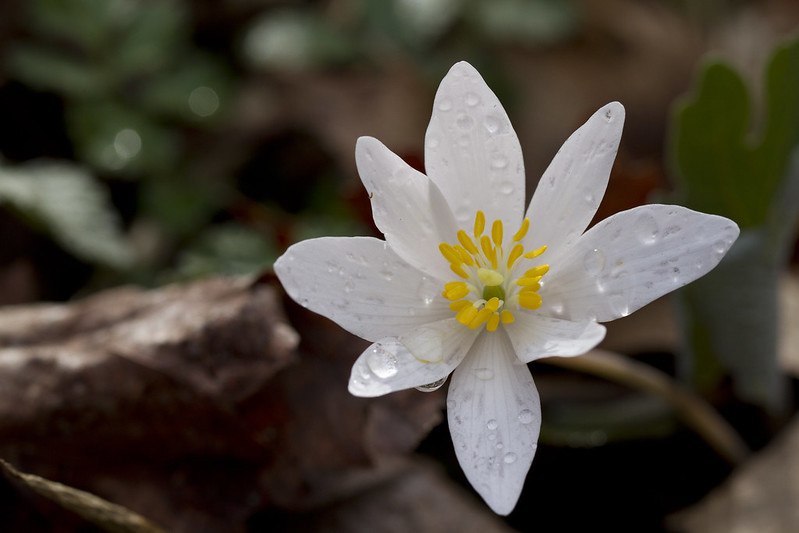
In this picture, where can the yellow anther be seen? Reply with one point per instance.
(490, 278)
(496, 232)
(528, 282)
(479, 224)
(466, 315)
(492, 304)
(464, 255)
(493, 322)
(530, 300)
(488, 250)
(537, 271)
(507, 317)
(449, 253)
(522, 230)
(466, 242)
(458, 269)
(515, 253)
(459, 305)
(481, 318)
(455, 290)
(535, 253)
(533, 286)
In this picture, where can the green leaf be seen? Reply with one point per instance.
(55, 71)
(67, 203)
(720, 165)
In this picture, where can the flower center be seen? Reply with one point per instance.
(492, 285)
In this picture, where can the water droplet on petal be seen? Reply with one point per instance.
(509, 458)
(434, 386)
(594, 261)
(472, 99)
(526, 416)
(492, 424)
(492, 436)
(499, 162)
(349, 286)
(492, 124)
(499, 446)
(464, 121)
(619, 304)
(484, 374)
(720, 248)
(647, 229)
(506, 187)
(381, 362)
(432, 142)
(445, 104)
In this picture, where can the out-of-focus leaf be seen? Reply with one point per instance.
(67, 203)
(424, 20)
(196, 90)
(720, 169)
(108, 516)
(529, 22)
(295, 40)
(118, 139)
(155, 33)
(179, 206)
(82, 22)
(229, 249)
(55, 71)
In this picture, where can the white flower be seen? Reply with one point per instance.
(467, 283)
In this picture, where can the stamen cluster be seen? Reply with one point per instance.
(488, 287)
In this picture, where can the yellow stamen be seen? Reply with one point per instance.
(455, 290)
(530, 300)
(537, 271)
(479, 224)
(481, 318)
(466, 315)
(496, 232)
(493, 322)
(493, 304)
(527, 282)
(458, 269)
(522, 230)
(535, 253)
(449, 253)
(467, 243)
(491, 278)
(488, 250)
(459, 305)
(515, 253)
(507, 317)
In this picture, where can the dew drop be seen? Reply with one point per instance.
(646, 229)
(445, 104)
(484, 374)
(499, 162)
(434, 386)
(492, 436)
(499, 446)
(509, 458)
(381, 362)
(432, 142)
(304, 302)
(720, 248)
(349, 286)
(492, 124)
(506, 187)
(594, 261)
(492, 424)
(526, 416)
(464, 121)
(472, 99)
(619, 304)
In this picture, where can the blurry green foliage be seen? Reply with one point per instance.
(723, 167)
(65, 201)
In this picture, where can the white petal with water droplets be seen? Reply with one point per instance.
(407, 207)
(633, 257)
(573, 185)
(494, 417)
(534, 336)
(420, 357)
(362, 285)
(472, 152)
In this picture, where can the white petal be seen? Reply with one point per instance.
(494, 418)
(573, 185)
(388, 365)
(361, 284)
(633, 257)
(407, 207)
(534, 336)
(472, 152)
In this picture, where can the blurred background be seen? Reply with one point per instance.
(151, 142)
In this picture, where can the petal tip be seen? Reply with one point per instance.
(612, 112)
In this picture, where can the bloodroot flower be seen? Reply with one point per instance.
(467, 283)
